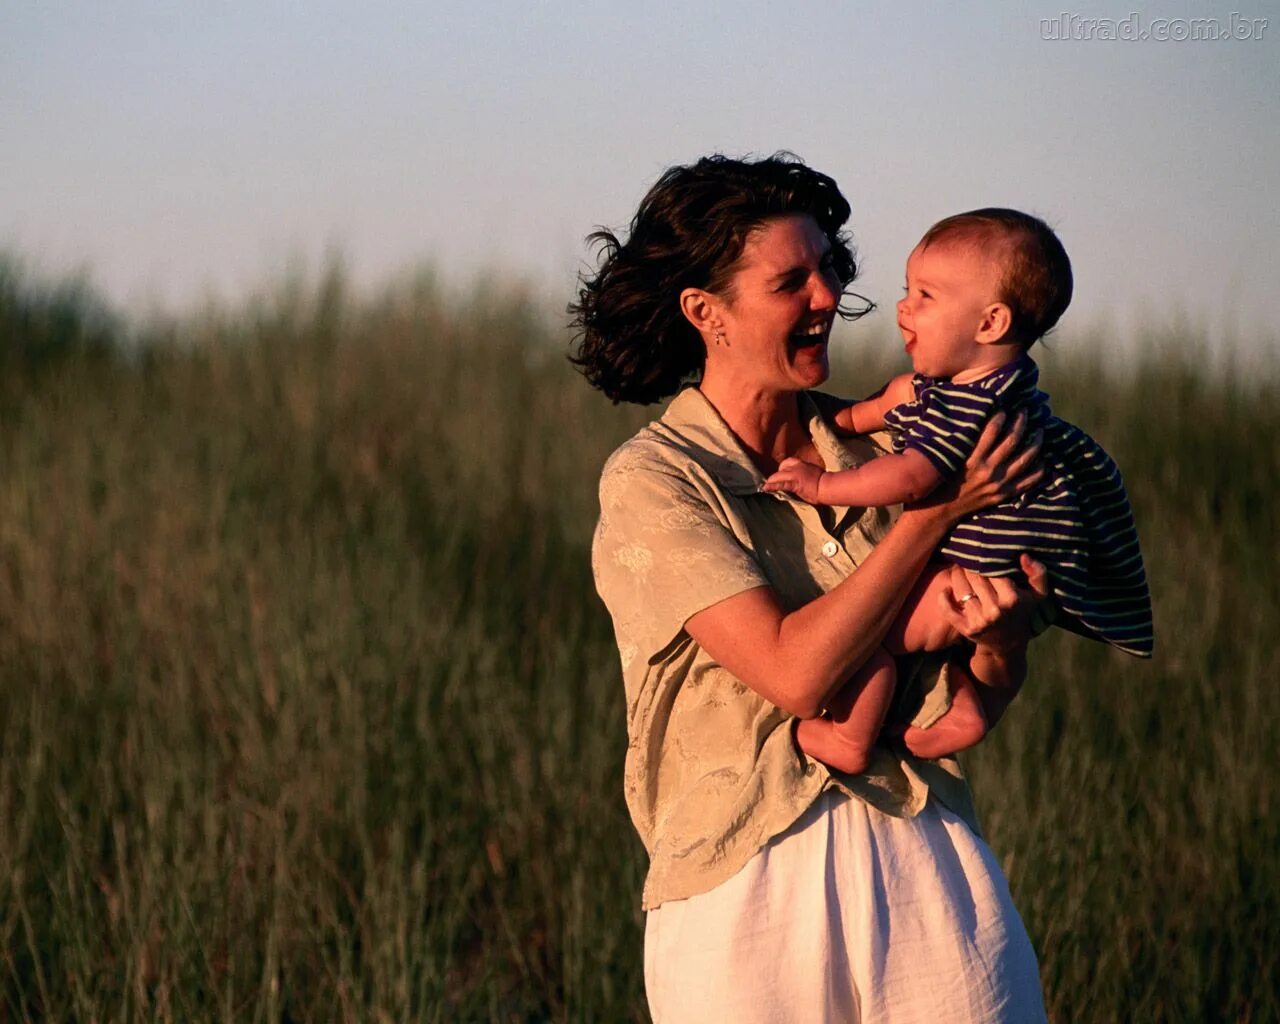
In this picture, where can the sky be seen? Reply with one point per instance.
(178, 152)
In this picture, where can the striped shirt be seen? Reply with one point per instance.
(1077, 521)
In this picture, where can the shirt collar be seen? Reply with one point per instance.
(1021, 370)
(708, 440)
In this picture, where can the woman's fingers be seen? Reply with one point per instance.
(973, 602)
(1028, 456)
(989, 437)
(983, 587)
(951, 605)
(999, 446)
(993, 609)
(968, 600)
(1023, 471)
(1000, 467)
(1010, 441)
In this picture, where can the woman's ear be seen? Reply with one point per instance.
(701, 309)
(997, 319)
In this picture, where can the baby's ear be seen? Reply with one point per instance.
(996, 323)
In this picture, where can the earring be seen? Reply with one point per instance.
(719, 337)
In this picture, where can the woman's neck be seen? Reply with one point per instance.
(766, 423)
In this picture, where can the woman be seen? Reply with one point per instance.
(777, 889)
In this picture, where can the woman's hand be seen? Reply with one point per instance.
(1000, 468)
(995, 613)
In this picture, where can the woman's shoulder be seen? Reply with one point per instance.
(645, 473)
(648, 450)
(686, 442)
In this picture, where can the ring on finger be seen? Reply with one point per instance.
(966, 597)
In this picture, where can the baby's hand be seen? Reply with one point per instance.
(797, 477)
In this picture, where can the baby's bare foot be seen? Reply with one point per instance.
(960, 728)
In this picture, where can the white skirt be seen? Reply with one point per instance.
(849, 916)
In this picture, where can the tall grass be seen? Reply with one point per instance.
(309, 711)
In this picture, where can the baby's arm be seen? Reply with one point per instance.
(888, 480)
(868, 415)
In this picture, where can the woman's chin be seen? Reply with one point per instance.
(813, 371)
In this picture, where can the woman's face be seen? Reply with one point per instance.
(779, 308)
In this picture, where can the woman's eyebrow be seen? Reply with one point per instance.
(782, 275)
(801, 268)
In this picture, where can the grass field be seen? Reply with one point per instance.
(309, 711)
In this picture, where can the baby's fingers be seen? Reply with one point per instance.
(1037, 576)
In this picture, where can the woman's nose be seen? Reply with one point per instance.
(825, 295)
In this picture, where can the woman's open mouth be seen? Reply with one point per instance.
(810, 336)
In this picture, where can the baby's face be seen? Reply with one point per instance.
(949, 288)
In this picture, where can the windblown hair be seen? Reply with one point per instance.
(1035, 279)
(634, 342)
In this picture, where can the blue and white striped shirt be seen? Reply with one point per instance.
(1077, 521)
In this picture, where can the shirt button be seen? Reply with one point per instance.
(830, 548)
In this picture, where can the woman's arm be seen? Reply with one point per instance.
(799, 659)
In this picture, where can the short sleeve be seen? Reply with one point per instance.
(944, 425)
(662, 553)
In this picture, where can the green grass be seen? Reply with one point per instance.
(309, 711)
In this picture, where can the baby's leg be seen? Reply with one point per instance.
(922, 625)
(961, 726)
(844, 740)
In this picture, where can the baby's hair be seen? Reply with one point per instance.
(1036, 279)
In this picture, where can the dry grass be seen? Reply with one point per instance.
(309, 711)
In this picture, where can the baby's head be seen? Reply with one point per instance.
(982, 286)
(1034, 270)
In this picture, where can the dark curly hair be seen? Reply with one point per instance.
(1035, 271)
(633, 342)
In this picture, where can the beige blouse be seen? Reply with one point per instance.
(712, 768)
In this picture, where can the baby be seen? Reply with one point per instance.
(981, 288)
